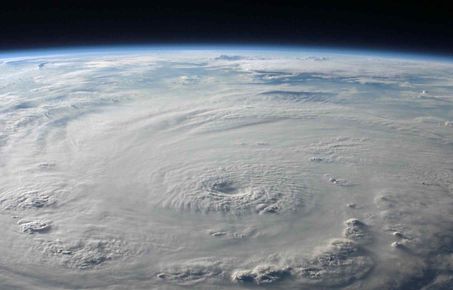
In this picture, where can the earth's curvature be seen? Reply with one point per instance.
(225, 168)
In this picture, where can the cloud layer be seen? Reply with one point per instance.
(245, 169)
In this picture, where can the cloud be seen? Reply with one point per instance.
(225, 169)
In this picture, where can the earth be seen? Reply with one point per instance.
(225, 168)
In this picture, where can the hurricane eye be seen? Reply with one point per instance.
(226, 187)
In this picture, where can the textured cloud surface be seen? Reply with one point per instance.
(217, 170)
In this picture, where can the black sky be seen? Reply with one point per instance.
(423, 26)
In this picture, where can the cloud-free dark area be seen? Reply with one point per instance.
(420, 27)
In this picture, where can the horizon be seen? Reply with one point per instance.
(225, 47)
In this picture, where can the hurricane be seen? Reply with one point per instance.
(225, 168)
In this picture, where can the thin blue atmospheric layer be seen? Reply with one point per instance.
(265, 49)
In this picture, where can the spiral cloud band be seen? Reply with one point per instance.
(217, 169)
